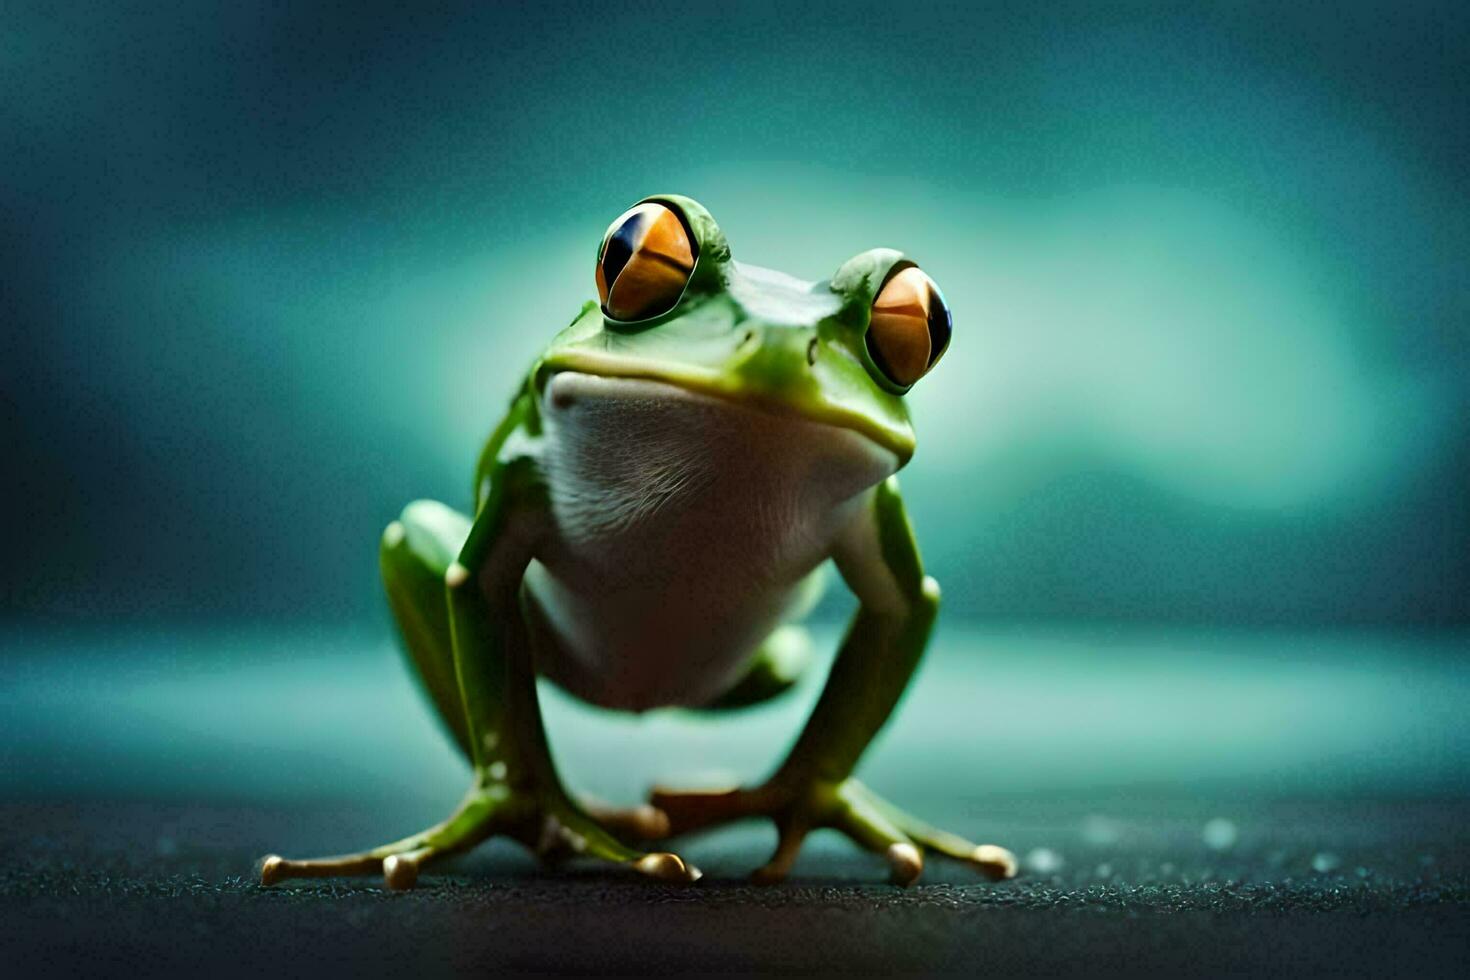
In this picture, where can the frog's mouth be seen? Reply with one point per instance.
(810, 403)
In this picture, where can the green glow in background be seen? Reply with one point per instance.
(268, 274)
(271, 274)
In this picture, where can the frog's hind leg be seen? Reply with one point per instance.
(416, 553)
(991, 860)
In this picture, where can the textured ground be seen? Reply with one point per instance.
(1185, 804)
(149, 889)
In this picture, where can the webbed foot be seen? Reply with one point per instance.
(848, 806)
(550, 827)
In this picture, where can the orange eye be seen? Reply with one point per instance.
(645, 263)
(909, 328)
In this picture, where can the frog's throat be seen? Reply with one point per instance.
(898, 441)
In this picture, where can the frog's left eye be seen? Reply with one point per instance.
(644, 263)
(909, 328)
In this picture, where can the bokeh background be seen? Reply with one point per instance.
(1193, 474)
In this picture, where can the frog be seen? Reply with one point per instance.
(653, 520)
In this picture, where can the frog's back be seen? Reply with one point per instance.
(683, 527)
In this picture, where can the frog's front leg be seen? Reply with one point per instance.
(467, 634)
(814, 786)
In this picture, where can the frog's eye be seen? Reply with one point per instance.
(645, 262)
(909, 328)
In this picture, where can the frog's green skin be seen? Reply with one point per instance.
(650, 518)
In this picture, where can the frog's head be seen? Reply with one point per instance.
(676, 307)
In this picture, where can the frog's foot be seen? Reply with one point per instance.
(480, 814)
(847, 806)
(550, 828)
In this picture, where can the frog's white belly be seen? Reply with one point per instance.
(683, 525)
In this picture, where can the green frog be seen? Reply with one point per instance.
(652, 519)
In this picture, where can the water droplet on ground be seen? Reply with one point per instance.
(1043, 861)
(1220, 834)
(1325, 862)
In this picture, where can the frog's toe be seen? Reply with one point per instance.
(401, 871)
(774, 871)
(849, 807)
(571, 832)
(872, 828)
(480, 815)
(269, 869)
(667, 866)
(994, 861)
(991, 860)
(274, 869)
(905, 863)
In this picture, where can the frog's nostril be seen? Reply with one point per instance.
(747, 338)
(811, 351)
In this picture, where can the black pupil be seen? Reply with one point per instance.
(618, 251)
(940, 326)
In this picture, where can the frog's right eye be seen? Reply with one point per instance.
(909, 327)
(644, 263)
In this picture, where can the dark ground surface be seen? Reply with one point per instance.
(141, 776)
(147, 889)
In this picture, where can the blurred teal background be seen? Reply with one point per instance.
(269, 272)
